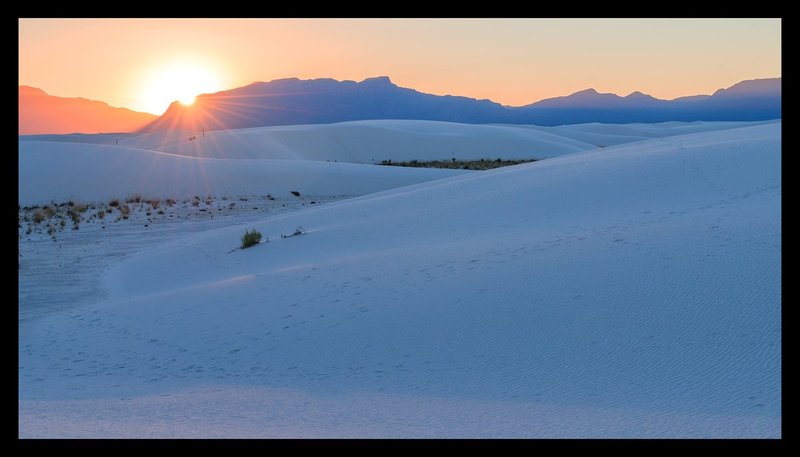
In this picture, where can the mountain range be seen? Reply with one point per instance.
(40, 112)
(294, 101)
(321, 101)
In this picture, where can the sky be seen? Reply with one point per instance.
(145, 64)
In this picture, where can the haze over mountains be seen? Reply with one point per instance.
(40, 113)
(321, 101)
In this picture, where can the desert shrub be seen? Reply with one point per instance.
(135, 198)
(195, 202)
(250, 238)
(101, 214)
(38, 217)
(124, 210)
(154, 202)
(113, 203)
(171, 201)
(75, 215)
(49, 211)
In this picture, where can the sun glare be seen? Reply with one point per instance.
(177, 82)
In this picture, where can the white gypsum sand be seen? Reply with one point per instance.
(630, 291)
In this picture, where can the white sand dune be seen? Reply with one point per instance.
(613, 134)
(375, 141)
(397, 140)
(60, 171)
(357, 142)
(632, 291)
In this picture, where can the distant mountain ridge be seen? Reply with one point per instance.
(41, 113)
(320, 101)
(752, 100)
(293, 101)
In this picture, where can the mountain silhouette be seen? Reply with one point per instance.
(40, 113)
(294, 101)
(752, 100)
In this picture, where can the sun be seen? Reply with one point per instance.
(181, 82)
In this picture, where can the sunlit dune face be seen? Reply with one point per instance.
(177, 82)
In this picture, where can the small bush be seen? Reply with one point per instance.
(154, 203)
(101, 214)
(135, 198)
(38, 217)
(124, 210)
(250, 238)
(75, 215)
(49, 211)
(113, 203)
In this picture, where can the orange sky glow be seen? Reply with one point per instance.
(144, 64)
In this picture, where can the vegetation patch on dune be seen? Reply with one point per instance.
(482, 164)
